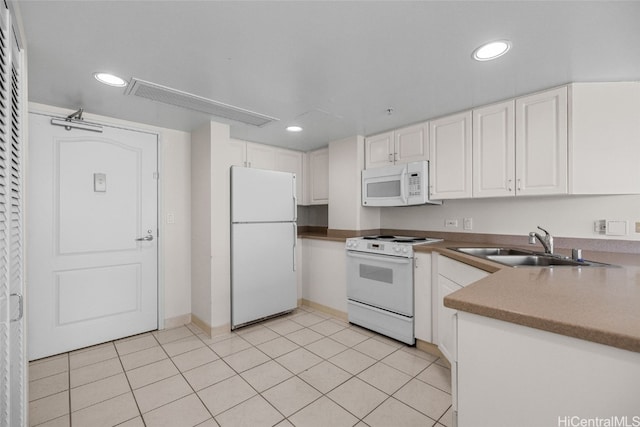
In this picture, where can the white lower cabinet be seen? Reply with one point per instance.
(512, 375)
(452, 276)
(446, 319)
(324, 279)
(422, 297)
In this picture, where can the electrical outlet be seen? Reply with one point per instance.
(467, 223)
(451, 223)
(171, 218)
(600, 226)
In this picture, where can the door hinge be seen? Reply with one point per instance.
(156, 175)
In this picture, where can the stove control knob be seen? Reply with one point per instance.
(396, 248)
(404, 250)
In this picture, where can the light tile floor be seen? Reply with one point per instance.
(302, 369)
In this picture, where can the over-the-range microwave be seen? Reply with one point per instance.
(397, 185)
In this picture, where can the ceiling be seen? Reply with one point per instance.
(333, 67)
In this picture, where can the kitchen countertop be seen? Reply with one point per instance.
(598, 304)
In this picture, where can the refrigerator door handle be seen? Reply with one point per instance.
(295, 243)
(295, 199)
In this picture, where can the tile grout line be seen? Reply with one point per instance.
(303, 329)
(130, 387)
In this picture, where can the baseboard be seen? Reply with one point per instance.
(211, 331)
(325, 309)
(431, 348)
(201, 324)
(174, 322)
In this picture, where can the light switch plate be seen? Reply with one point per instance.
(100, 182)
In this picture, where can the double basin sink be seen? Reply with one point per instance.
(522, 258)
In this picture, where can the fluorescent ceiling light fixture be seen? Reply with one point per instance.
(491, 50)
(294, 129)
(110, 79)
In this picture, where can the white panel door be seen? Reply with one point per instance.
(494, 149)
(411, 144)
(263, 271)
(91, 198)
(450, 157)
(542, 143)
(259, 195)
(378, 150)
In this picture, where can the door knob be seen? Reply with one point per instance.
(147, 238)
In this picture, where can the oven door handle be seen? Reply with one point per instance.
(379, 258)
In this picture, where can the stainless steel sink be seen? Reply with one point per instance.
(522, 258)
(534, 261)
(485, 252)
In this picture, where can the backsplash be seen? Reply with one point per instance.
(314, 215)
(563, 216)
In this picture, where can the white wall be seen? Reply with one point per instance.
(175, 182)
(563, 216)
(346, 160)
(200, 262)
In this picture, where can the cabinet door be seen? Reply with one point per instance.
(237, 153)
(604, 149)
(494, 150)
(411, 144)
(541, 143)
(378, 150)
(319, 172)
(450, 157)
(446, 319)
(291, 161)
(422, 297)
(261, 156)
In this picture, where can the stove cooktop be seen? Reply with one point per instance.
(402, 239)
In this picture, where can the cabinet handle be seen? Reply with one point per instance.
(509, 187)
(20, 306)
(519, 184)
(390, 157)
(395, 157)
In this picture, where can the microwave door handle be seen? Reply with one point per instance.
(403, 185)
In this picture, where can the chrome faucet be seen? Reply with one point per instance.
(546, 241)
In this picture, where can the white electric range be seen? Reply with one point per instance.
(380, 283)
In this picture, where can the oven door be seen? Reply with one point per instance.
(381, 281)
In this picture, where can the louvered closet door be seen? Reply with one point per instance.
(12, 343)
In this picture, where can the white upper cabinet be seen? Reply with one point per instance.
(450, 154)
(318, 177)
(409, 144)
(542, 143)
(494, 147)
(262, 156)
(520, 147)
(379, 150)
(291, 161)
(604, 138)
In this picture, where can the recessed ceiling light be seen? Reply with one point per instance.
(294, 129)
(110, 79)
(491, 50)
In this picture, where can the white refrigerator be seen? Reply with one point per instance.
(263, 244)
